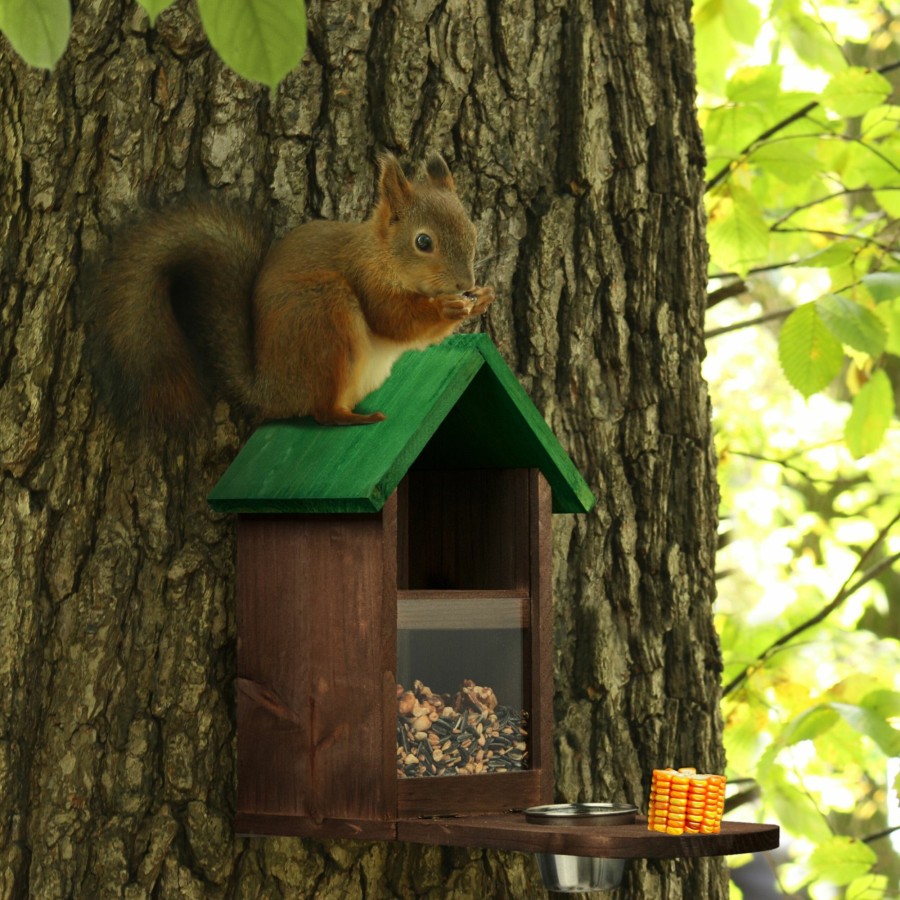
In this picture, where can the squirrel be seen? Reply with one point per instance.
(194, 301)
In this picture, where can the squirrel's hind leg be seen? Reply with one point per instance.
(312, 349)
(342, 415)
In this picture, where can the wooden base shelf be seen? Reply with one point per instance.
(510, 831)
(277, 825)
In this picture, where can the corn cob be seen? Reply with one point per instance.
(683, 802)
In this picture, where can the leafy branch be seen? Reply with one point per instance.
(848, 588)
(788, 466)
(726, 292)
(261, 40)
(878, 835)
(721, 294)
(844, 192)
(740, 287)
(837, 235)
(725, 171)
(747, 323)
(801, 113)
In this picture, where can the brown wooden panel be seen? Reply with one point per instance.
(401, 498)
(249, 824)
(311, 656)
(390, 555)
(512, 832)
(541, 649)
(468, 794)
(467, 529)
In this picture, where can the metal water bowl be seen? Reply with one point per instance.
(580, 874)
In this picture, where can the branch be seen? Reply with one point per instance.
(747, 323)
(844, 192)
(742, 797)
(832, 234)
(735, 289)
(779, 126)
(795, 469)
(845, 591)
(880, 834)
(771, 267)
(739, 286)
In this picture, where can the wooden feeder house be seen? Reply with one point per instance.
(395, 676)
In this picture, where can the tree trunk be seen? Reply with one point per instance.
(570, 131)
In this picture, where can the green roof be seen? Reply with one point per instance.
(455, 405)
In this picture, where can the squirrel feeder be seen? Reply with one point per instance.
(375, 561)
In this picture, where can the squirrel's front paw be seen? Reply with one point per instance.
(454, 306)
(482, 298)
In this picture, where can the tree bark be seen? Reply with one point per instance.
(571, 134)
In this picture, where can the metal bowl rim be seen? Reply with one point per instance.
(580, 810)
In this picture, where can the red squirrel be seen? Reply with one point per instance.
(194, 302)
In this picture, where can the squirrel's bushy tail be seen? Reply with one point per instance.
(170, 313)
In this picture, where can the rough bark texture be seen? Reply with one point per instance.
(571, 134)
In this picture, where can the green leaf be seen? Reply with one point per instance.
(852, 324)
(834, 156)
(796, 811)
(812, 43)
(855, 91)
(714, 48)
(872, 166)
(869, 721)
(882, 285)
(808, 725)
(810, 355)
(155, 7)
(744, 736)
(841, 860)
(889, 201)
(706, 14)
(868, 887)
(788, 160)
(260, 39)
(742, 19)
(880, 122)
(884, 702)
(752, 83)
(729, 129)
(889, 313)
(737, 233)
(37, 29)
(839, 253)
(872, 410)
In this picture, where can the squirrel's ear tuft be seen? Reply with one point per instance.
(393, 187)
(438, 173)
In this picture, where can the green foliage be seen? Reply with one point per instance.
(37, 29)
(855, 91)
(873, 408)
(804, 179)
(803, 148)
(810, 354)
(736, 230)
(261, 40)
(841, 860)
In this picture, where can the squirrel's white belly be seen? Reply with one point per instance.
(378, 364)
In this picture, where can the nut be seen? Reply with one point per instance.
(474, 735)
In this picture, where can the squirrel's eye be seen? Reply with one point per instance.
(424, 242)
